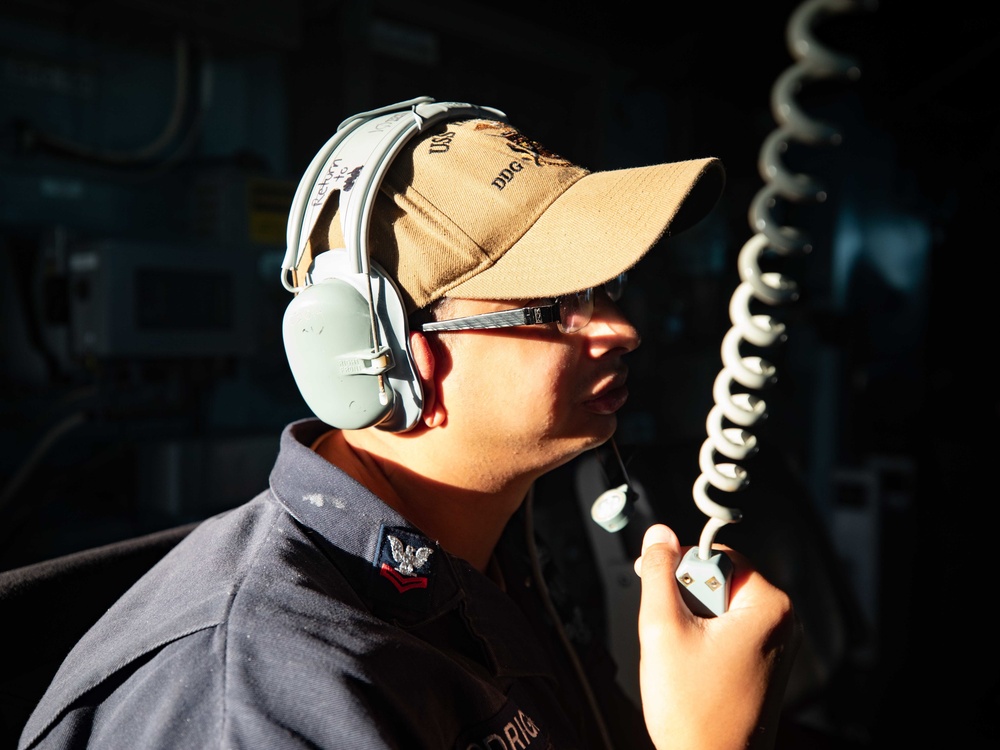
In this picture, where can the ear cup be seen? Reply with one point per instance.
(326, 328)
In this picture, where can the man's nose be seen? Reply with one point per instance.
(610, 328)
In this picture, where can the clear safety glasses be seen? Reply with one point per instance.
(571, 312)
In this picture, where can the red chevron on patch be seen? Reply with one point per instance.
(401, 582)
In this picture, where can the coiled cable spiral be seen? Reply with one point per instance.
(814, 62)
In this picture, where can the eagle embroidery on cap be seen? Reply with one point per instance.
(408, 560)
(527, 148)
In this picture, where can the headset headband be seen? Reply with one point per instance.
(371, 139)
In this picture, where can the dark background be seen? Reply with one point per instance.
(148, 154)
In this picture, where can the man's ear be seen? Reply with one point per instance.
(426, 362)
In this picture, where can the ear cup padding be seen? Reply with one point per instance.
(326, 327)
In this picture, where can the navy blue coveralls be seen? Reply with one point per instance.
(315, 616)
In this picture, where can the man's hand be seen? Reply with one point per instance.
(717, 682)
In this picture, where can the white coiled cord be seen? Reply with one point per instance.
(735, 411)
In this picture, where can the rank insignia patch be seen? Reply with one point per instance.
(403, 559)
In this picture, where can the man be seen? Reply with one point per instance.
(385, 591)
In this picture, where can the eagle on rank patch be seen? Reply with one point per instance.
(409, 559)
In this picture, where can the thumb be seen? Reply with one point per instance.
(661, 554)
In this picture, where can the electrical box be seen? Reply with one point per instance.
(160, 301)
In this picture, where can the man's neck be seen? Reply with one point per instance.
(463, 507)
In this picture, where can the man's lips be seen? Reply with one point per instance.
(611, 397)
(609, 401)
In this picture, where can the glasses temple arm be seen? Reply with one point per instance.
(522, 316)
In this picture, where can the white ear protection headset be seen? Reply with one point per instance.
(345, 331)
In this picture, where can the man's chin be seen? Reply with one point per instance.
(594, 439)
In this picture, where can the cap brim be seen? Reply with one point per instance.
(599, 227)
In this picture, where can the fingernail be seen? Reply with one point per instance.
(658, 534)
